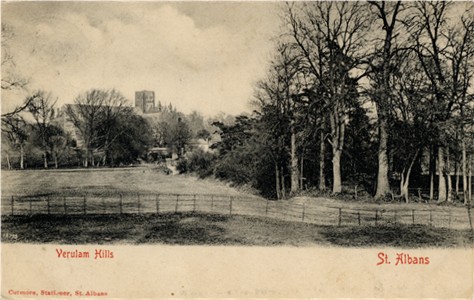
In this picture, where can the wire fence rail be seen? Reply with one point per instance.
(309, 212)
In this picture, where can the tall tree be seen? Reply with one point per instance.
(97, 115)
(16, 132)
(332, 36)
(113, 110)
(41, 106)
(382, 68)
(441, 50)
(85, 114)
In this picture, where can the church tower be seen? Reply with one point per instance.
(145, 101)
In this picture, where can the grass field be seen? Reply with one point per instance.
(204, 228)
(107, 181)
(209, 229)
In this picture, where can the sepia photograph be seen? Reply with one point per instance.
(156, 146)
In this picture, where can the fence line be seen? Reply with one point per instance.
(456, 218)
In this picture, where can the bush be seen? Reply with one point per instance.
(182, 166)
(201, 162)
(197, 161)
(236, 167)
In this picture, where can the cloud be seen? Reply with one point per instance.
(209, 69)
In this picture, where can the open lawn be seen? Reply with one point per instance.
(108, 181)
(144, 190)
(211, 229)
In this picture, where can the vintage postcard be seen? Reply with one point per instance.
(237, 149)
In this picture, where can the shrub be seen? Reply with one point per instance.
(201, 162)
(182, 166)
(236, 167)
(197, 161)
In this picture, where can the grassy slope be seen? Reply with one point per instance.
(207, 229)
(107, 181)
(237, 230)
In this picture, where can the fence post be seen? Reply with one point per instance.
(431, 219)
(30, 207)
(13, 201)
(413, 216)
(194, 203)
(230, 206)
(47, 201)
(395, 216)
(304, 209)
(138, 203)
(121, 204)
(340, 212)
(177, 199)
(158, 203)
(266, 209)
(376, 216)
(65, 206)
(358, 217)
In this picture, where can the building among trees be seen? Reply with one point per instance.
(145, 101)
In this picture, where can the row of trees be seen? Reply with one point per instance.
(372, 93)
(375, 93)
(99, 128)
(409, 64)
(102, 131)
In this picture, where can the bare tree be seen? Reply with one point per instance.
(113, 108)
(41, 106)
(276, 96)
(331, 36)
(382, 68)
(15, 130)
(95, 114)
(85, 116)
(444, 51)
(460, 56)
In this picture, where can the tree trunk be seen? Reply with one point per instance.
(383, 186)
(441, 177)
(464, 172)
(22, 157)
(45, 160)
(86, 159)
(470, 180)
(277, 181)
(336, 171)
(337, 132)
(92, 159)
(283, 188)
(456, 185)
(432, 171)
(322, 150)
(56, 161)
(449, 192)
(294, 165)
(456, 176)
(301, 172)
(405, 180)
(404, 186)
(9, 165)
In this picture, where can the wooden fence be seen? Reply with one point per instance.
(310, 212)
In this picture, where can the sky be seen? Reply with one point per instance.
(196, 55)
